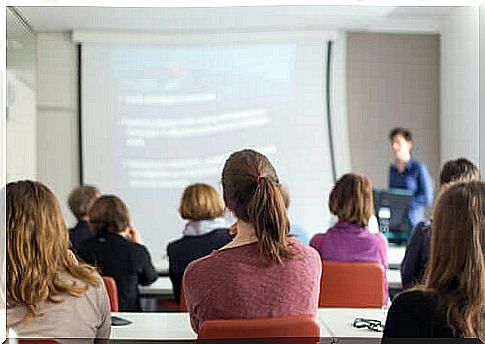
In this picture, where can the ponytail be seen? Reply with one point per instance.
(267, 213)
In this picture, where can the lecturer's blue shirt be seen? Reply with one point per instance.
(416, 179)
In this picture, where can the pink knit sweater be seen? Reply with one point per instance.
(234, 284)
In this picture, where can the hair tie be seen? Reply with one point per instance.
(260, 178)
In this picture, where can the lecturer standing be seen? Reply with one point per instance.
(409, 174)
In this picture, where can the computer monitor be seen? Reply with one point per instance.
(392, 208)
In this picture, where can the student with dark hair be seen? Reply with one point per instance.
(205, 231)
(349, 240)
(451, 300)
(409, 174)
(417, 250)
(80, 201)
(262, 273)
(49, 293)
(117, 251)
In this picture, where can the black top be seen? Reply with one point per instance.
(79, 233)
(417, 254)
(188, 248)
(416, 314)
(127, 262)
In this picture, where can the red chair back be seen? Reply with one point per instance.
(37, 341)
(112, 290)
(352, 284)
(182, 307)
(304, 328)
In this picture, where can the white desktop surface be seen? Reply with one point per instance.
(164, 326)
(161, 287)
(338, 321)
(395, 254)
(154, 326)
(394, 279)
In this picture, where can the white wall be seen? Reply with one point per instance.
(393, 80)
(459, 120)
(57, 134)
(21, 119)
(482, 85)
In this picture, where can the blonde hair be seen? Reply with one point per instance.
(201, 202)
(38, 250)
(351, 199)
(456, 269)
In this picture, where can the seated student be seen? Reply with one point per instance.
(417, 250)
(295, 230)
(262, 273)
(49, 293)
(80, 201)
(451, 301)
(204, 232)
(349, 240)
(117, 251)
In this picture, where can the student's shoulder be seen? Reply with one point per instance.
(418, 301)
(199, 266)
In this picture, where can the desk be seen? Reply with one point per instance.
(394, 279)
(154, 326)
(338, 322)
(163, 326)
(161, 266)
(161, 287)
(395, 255)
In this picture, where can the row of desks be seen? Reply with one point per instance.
(163, 287)
(334, 323)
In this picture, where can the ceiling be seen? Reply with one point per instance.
(232, 19)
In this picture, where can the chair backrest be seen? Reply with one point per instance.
(352, 284)
(302, 327)
(37, 341)
(112, 290)
(182, 306)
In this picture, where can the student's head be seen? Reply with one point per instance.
(456, 269)
(351, 199)
(401, 142)
(81, 199)
(458, 170)
(286, 196)
(37, 248)
(251, 190)
(109, 214)
(201, 202)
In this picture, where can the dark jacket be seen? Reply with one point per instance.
(188, 248)
(127, 262)
(417, 314)
(79, 233)
(416, 256)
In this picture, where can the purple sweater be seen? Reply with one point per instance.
(234, 283)
(347, 242)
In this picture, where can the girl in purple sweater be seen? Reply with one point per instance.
(349, 240)
(262, 273)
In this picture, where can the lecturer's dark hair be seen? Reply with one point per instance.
(251, 190)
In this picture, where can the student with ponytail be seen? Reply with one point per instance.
(263, 272)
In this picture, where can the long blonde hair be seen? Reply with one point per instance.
(456, 269)
(38, 250)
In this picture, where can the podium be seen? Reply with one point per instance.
(392, 207)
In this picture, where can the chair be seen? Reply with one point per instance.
(297, 329)
(112, 290)
(37, 341)
(182, 307)
(352, 284)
